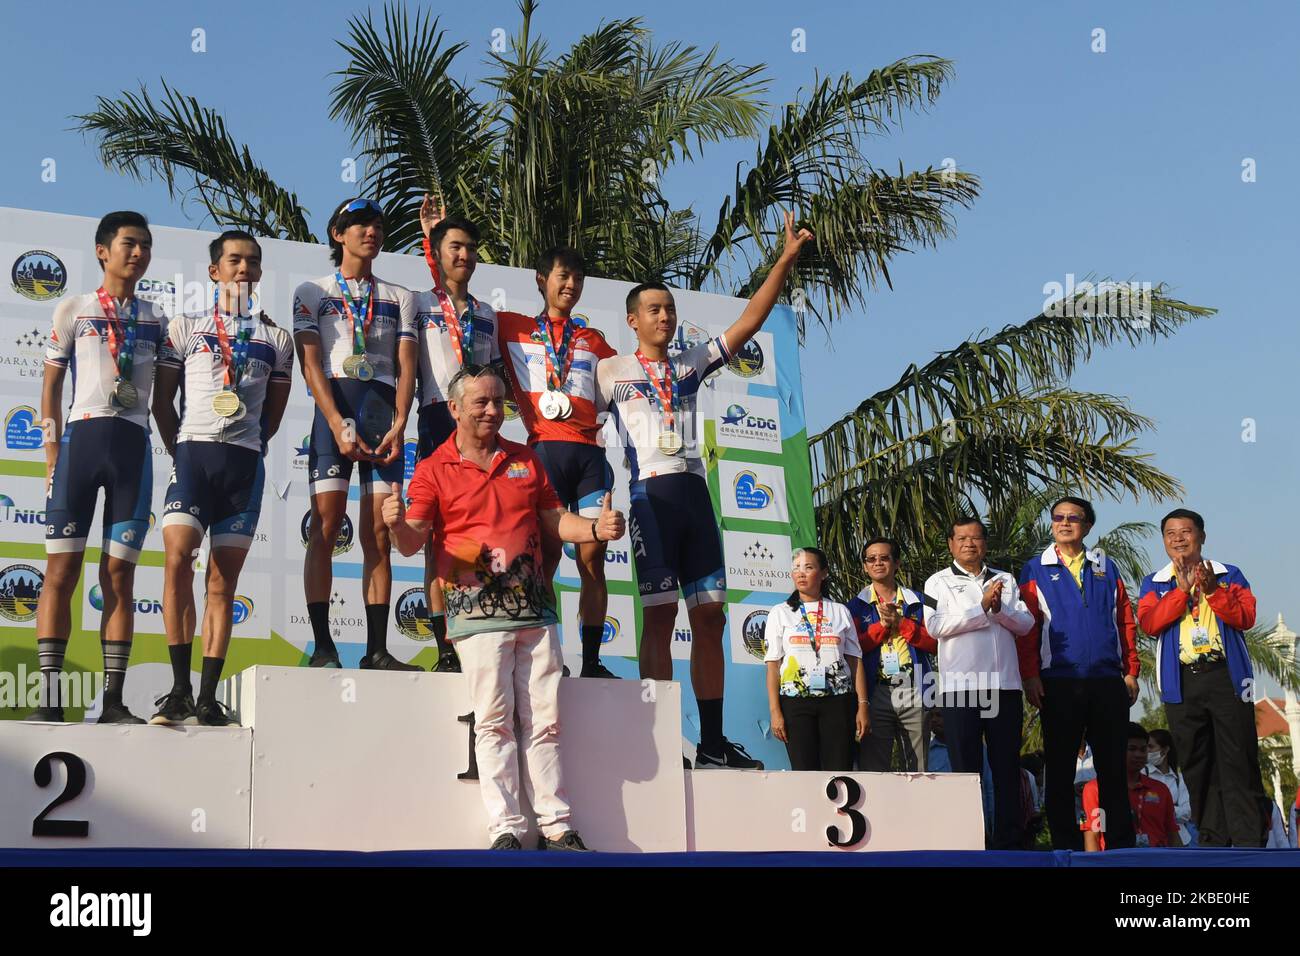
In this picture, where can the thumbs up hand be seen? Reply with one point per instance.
(394, 508)
(610, 526)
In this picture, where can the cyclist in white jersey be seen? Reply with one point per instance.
(237, 369)
(357, 348)
(456, 329)
(109, 339)
(675, 541)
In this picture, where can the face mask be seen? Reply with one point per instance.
(1156, 758)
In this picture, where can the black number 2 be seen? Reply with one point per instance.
(42, 827)
(472, 772)
(852, 796)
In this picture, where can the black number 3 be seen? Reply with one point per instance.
(42, 827)
(852, 796)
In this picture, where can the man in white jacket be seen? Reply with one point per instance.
(979, 621)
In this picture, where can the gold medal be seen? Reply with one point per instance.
(351, 364)
(670, 443)
(226, 404)
(126, 394)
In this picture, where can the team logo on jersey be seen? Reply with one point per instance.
(517, 469)
(751, 495)
(241, 609)
(39, 275)
(752, 636)
(22, 430)
(411, 614)
(631, 391)
(747, 360)
(20, 592)
(342, 544)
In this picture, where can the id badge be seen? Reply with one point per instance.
(1201, 640)
(889, 663)
(817, 678)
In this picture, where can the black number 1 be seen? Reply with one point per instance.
(852, 796)
(472, 772)
(42, 827)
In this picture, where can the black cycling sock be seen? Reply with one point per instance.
(50, 651)
(376, 628)
(319, 614)
(181, 655)
(710, 726)
(211, 677)
(438, 624)
(591, 635)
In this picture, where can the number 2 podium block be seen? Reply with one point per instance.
(372, 760)
(65, 786)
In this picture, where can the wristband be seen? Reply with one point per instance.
(594, 535)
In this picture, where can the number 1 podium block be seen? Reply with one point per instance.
(69, 786)
(374, 760)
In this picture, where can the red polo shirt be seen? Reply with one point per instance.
(487, 536)
(1152, 805)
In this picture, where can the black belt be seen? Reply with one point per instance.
(1203, 665)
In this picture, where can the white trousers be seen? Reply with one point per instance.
(515, 675)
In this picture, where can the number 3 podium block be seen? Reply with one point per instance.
(748, 810)
(372, 760)
(84, 785)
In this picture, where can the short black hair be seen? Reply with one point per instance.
(1089, 515)
(570, 259)
(1183, 513)
(634, 297)
(895, 551)
(108, 227)
(218, 245)
(447, 225)
(962, 520)
(342, 221)
(1136, 730)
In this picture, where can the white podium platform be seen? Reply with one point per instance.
(82, 785)
(762, 811)
(363, 760)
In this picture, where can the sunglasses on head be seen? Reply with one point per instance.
(472, 370)
(358, 204)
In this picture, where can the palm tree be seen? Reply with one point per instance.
(573, 149)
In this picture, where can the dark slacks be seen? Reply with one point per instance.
(1097, 706)
(1214, 734)
(819, 731)
(970, 729)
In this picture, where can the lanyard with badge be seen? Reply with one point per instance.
(816, 673)
(890, 665)
(669, 442)
(234, 358)
(458, 330)
(554, 404)
(356, 365)
(1201, 643)
(125, 394)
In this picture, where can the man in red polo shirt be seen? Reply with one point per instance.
(484, 506)
(1150, 801)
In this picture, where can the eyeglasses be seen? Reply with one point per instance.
(1067, 519)
(357, 204)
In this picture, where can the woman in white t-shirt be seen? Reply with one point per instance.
(816, 687)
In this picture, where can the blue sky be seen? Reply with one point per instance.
(1125, 163)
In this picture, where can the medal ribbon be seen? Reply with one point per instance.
(123, 353)
(814, 633)
(458, 330)
(558, 358)
(352, 309)
(234, 359)
(666, 388)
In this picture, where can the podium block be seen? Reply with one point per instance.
(85, 785)
(757, 810)
(372, 760)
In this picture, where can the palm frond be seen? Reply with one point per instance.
(180, 141)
